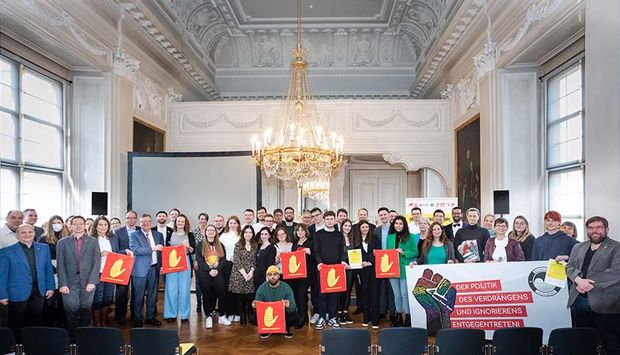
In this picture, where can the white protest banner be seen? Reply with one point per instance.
(428, 205)
(486, 296)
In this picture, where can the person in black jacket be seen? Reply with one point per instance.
(210, 261)
(368, 243)
(328, 250)
(265, 255)
(470, 241)
(300, 286)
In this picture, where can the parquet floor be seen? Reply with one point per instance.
(236, 339)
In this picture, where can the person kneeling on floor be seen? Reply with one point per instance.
(275, 290)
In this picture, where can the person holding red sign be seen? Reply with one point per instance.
(406, 244)
(364, 240)
(242, 274)
(300, 286)
(176, 294)
(328, 249)
(282, 244)
(344, 301)
(275, 290)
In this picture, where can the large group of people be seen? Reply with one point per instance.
(50, 275)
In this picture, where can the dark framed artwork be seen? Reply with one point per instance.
(147, 138)
(468, 163)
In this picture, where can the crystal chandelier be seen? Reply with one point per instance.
(296, 148)
(317, 189)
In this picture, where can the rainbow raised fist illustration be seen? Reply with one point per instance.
(117, 268)
(293, 265)
(332, 280)
(437, 296)
(173, 259)
(386, 264)
(268, 318)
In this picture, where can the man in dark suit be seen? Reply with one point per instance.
(26, 277)
(122, 234)
(386, 296)
(146, 245)
(78, 262)
(31, 217)
(457, 223)
(594, 296)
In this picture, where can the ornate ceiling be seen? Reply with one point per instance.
(354, 47)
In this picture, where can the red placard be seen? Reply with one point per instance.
(270, 317)
(387, 264)
(173, 259)
(333, 278)
(294, 265)
(117, 269)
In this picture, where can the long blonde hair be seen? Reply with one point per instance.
(219, 249)
(526, 233)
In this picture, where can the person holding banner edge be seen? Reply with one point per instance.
(406, 244)
(275, 290)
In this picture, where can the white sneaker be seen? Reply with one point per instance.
(231, 318)
(333, 323)
(315, 318)
(320, 324)
(209, 322)
(223, 320)
(237, 319)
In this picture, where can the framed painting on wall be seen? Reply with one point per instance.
(468, 163)
(147, 138)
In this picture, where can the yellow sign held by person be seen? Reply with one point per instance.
(556, 273)
(355, 258)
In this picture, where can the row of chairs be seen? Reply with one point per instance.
(509, 341)
(93, 341)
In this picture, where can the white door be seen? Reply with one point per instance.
(376, 188)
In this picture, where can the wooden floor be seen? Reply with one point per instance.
(236, 339)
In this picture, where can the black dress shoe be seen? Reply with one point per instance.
(171, 320)
(137, 324)
(152, 322)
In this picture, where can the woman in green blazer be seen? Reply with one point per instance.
(406, 243)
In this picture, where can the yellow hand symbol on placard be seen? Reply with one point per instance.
(174, 260)
(293, 265)
(386, 264)
(115, 270)
(212, 259)
(332, 280)
(268, 318)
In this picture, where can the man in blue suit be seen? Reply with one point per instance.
(26, 277)
(122, 234)
(146, 245)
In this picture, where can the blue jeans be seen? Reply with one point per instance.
(401, 299)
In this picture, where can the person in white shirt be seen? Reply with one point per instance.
(14, 219)
(162, 227)
(248, 217)
(261, 212)
(457, 223)
(229, 238)
(414, 225)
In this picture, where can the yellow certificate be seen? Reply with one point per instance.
(556, 273)
(355, 258)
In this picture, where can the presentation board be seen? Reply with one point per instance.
(215, 183)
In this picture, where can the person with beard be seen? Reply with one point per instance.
(289, 223)
(470, 241)
(219, 222)
(457, 223)
(274, 290)
(554, 244)
(594, 296)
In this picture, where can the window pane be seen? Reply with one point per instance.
(42, 98)
(8, 84)
(41, 144)
(7, 136)
(8, 190)
(564, 94)
(565, 142)
(42, 191)
(566, 196)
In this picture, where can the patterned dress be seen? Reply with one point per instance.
(246, 260)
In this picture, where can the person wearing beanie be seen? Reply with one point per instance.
(554, 244)
(274, 290)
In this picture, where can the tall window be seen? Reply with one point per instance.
(565, 158)
(32, 136)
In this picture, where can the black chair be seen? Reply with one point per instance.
(345, 342)
(153, 341)
(99, 341)
(7, 341)
(45, 341)
(396, 341)
(517, 341)
(460, 342)
(575, 341)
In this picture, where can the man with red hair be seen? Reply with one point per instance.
(554, 244)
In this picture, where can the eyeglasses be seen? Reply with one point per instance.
(596, 227)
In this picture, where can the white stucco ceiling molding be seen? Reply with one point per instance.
(60, 18)
(441, 50)
(203, 81)
(417, 161)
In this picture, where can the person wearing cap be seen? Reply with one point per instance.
(554, 244)
(274, 290)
